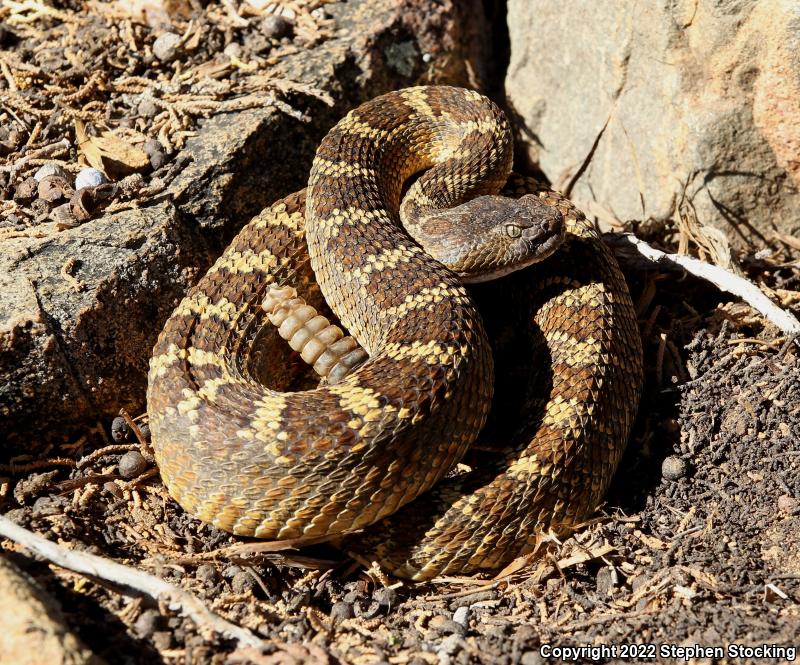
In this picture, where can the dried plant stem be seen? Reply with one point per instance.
(625, 243)
(116, 573)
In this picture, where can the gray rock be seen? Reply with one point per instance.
(340, 611)
(233, 50)
(132, 464)
(243, 582)
(148, 108)
(119, 429)
(461, 615)
(165, 47)
(155, 152)
(26, 190)
(35, 629)
(673, 468)
(689, 104)
(276, 27)
(148, 622)
(207, 574)
(69, 358)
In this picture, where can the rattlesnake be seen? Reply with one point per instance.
(244, 442)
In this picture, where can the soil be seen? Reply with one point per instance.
(697, 543)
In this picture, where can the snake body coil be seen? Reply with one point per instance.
(242, 446)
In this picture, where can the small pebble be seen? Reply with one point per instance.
(148, 108)
(53, 188)
(233, 50)
(26, 191)
(162, 640)
(386, 597)
(276, 27)
(461, 615)
(155, 152)
(132, 464)
(786, 503)
(243, 582)
(48, 170)
(40, 207)
(673, 468)
(230, 571)
(165, 48)
(531, 658)
(207, 574)
(144, 428)
(89, 177)
(63, 215)
(341, 611)
(119, 430)
(147, 623)
(113, 489)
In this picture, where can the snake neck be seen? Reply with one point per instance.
(373, 275)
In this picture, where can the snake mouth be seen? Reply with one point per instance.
(537, 242)
(548, 247)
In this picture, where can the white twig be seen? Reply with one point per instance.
(39, 153)
(95, 566)
(720, 277)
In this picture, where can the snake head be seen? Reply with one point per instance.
(491, 236)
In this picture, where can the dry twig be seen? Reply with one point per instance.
(116, 573)
(625, 244)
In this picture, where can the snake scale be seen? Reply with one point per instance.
(246, 441)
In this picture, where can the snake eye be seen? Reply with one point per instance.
(513, 230)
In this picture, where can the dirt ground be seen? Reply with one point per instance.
(697, 543)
